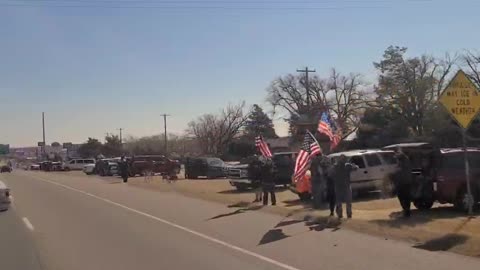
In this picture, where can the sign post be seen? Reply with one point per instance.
(461, 98)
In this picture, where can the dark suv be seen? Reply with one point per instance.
(439, 174)
(210, 167)
(107, 166)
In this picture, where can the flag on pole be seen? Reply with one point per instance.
(263, 147)
(328, 127)
(309, 149)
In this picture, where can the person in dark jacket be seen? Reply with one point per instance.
(330, 185)
(343, 191)
(317, 182)
(403, 182)
(254, 173)
(268, 182)
(124, 169)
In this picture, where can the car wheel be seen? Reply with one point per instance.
(305, 196)
(461, 200)
(67, 169)
(423, 204)
(241, 188)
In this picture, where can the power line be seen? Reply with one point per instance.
(223, 1)
(200, 4)
(193, 7)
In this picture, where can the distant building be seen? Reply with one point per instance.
(281, 144)
(31, 152)
(72, 149)
(35, 152)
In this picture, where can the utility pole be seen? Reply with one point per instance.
(43, 128)
(165, 129)
(120, 129)
(307, 85)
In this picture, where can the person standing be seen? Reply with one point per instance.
(343, 190)
(268, 182)
(317, 182)
(124, 169)
(403, 182)
(331, 199)
(254, 173)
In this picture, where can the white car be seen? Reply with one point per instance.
(4, 197)
(78, 164)
(89, 169)
(374, 167)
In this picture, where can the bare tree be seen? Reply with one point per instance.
(341, 95)
(214, 132)
(472, 60)
(409, 87)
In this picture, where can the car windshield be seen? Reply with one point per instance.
(457, 160)
(215, 162)
(388, 158)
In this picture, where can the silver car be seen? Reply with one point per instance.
(4, 197)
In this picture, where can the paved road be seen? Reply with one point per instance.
(81, 222)
(17, 249)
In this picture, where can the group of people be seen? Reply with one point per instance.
(331, 177)
(334, 177)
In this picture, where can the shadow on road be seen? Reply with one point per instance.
(443, 243)
(235, 191)
(311, 223)
(272, 235)
(236, 212)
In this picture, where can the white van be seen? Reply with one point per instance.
(78, 164)
(374, 166)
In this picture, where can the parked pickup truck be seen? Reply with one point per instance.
(242, 176)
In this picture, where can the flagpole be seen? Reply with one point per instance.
(314, 139)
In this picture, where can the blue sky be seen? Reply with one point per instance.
(93, 70)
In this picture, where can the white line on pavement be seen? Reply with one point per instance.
(201, 235)
(27, 223)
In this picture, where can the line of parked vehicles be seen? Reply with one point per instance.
(438, 173)
(138, 165)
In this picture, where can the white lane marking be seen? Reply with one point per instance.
(185, 229)
(28, 224)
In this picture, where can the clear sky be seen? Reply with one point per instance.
(120, 64)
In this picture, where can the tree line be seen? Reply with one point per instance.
(400, 106)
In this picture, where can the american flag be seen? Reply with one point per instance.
(309, 149)
(263, 147)
(327, 127)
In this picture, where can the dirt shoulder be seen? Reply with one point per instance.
(440, 229)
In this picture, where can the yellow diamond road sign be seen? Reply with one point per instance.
(461, 99)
